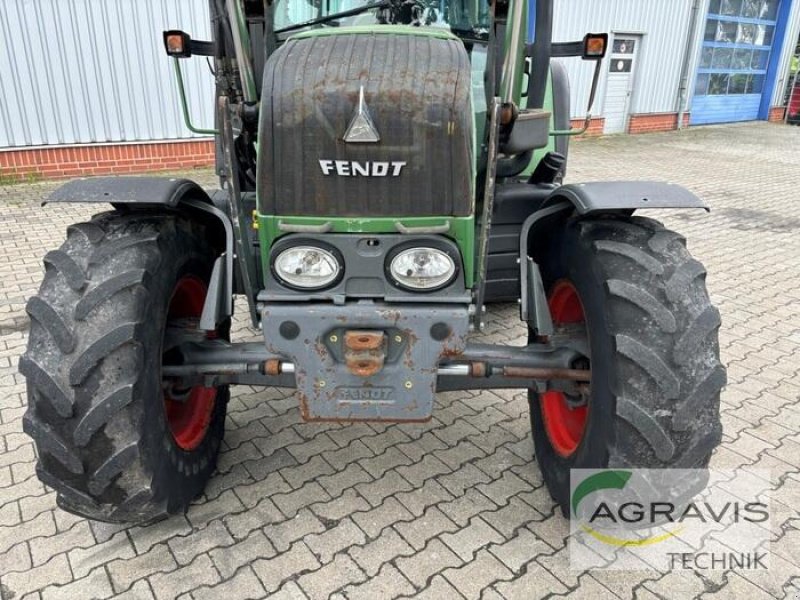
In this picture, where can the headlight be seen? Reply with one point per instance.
(307, 267)
(422, 269)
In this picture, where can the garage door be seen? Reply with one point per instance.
(733, 65)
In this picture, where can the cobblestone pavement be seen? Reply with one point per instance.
(456, 507)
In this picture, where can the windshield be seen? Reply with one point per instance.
(466, 18)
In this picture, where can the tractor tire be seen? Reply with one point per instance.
(653, 399)
(111, 442)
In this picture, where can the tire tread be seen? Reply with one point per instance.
(49, 319)
(106, 290)
(120, 460)
(657, 320)
(64, 264)
(49, 441)
(98, 350)
(101, 410)
(46, 385)
(85, 360)
(678, 425)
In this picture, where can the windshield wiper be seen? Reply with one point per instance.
(333, 17)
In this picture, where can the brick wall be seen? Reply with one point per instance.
(595, 126)
(105, 159)
(650, 122)
(776, 114)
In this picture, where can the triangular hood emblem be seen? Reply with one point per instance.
(362, 129)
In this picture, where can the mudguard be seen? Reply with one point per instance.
(585, 199)
(167, 192)
(162, 191)
(603, 196)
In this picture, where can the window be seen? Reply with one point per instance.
(731, 7)
(624, 46)
(755, 84)
(722, 58)
(620, 65)
(766, 10)
(701, 85)
(737, 84)
(468, 18)
(741, 59)
(760, 59)
(718, 84)
(736, 47)
(706, 58)
(752, 9)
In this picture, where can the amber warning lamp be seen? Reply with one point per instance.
(595, 46)
(180, 44)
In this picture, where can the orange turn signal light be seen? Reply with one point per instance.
(595, 46)
(177, 44)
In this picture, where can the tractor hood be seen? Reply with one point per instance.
(367, 123)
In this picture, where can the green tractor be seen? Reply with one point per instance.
(386, 169)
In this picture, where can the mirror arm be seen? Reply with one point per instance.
(588, 121)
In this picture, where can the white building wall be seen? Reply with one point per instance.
(664, 26)
(92, 71)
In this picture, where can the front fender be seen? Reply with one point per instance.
(604, 196)
(173, 193)
(160, 191)
(586, 199)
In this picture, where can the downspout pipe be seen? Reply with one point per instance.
(540, 53)
(691, 41)
(794, 80)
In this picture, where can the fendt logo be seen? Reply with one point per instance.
(364, 394)
(348, 168)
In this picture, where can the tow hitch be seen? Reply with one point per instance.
(364, 351)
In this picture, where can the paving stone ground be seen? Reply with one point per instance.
(454, 508)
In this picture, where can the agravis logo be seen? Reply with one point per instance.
(655, 514)
(609, 480)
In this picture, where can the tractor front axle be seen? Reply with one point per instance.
(479, 366)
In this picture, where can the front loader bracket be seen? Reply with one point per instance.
(244, 252)
(488, 209)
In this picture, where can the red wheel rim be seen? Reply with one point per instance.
(564, 423)
(190, 418)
